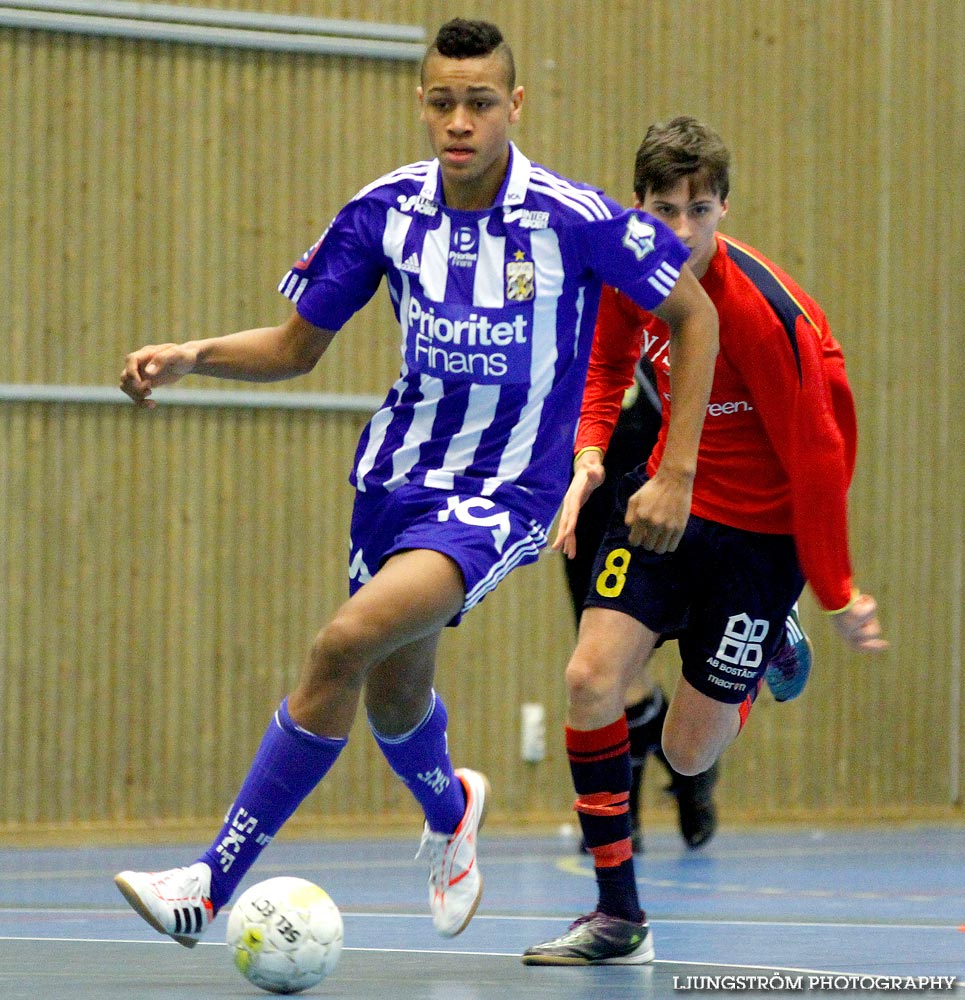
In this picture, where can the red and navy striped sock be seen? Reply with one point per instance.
(600, 765)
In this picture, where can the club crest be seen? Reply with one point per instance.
(520, 280)
(639, 237)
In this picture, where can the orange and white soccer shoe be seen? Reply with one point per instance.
(455, 884)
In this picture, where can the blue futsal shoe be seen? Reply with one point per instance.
(788, 671)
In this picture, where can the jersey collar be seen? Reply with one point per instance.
(713, 277)
(511, 193)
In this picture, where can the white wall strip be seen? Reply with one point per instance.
(321, 402)
(226, 18)
(226, 29)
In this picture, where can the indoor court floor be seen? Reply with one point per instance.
(833, 910)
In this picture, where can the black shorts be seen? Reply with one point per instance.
(724, 595)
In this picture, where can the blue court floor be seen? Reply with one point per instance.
(801, 908)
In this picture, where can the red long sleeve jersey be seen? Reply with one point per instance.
(778, 446)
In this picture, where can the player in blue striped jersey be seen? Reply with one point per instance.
(496, 306)
(494, 266)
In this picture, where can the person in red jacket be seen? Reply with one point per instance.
(632, 440)
(769, 512)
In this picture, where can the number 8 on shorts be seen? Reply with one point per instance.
(611, 581)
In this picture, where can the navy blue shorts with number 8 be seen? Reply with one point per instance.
(723, 595)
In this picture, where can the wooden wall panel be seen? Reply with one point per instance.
(154, 199)
(161, 575)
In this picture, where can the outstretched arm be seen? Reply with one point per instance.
(805, 403)
(266, 354)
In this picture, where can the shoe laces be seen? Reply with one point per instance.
(786, 660)
(585, 919)
(180, 883)
(433, 848)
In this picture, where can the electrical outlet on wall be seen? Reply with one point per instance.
(532, 739)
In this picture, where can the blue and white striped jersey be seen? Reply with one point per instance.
(497, 309)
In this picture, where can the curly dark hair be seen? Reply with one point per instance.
(463, 39)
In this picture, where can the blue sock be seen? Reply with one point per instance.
(421, 759)
(289, 763)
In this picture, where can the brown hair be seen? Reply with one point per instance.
(683, 147)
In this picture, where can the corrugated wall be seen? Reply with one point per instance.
(161, 575)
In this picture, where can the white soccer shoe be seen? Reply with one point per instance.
(455, 885)
(175, 902)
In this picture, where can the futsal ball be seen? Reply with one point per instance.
(285, 934)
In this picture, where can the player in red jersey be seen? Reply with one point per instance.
(632, 440)
(769, 512)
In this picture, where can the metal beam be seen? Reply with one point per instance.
(321, 402)
(249, 20)
(224, 29)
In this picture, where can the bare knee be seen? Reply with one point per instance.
(325, 698)
(342, 653)
(610, 650)
(698, 729)
(595, 695)
(686, 757)
(691, 745)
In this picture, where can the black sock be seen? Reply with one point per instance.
(645, 721)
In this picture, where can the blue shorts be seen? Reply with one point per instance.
(484, 537)
(723, 595)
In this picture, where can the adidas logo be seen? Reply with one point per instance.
(411, 263)
(188, 920)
